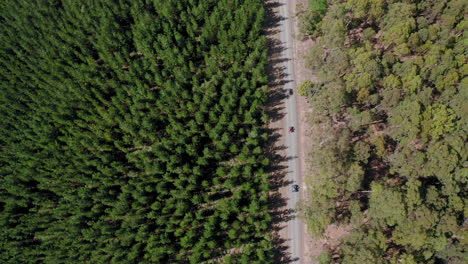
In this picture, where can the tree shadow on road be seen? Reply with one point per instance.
(275, 149)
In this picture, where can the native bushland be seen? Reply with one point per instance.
(131, 131)
(310, 17)
(390, 124)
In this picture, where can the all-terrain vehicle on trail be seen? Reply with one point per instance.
(295, 188)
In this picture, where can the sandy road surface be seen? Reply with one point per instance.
(291, 120)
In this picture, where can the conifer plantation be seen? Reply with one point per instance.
(390, 128)
(131, 132)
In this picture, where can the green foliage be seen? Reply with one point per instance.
(356, 175)
(310, 18)
(324, 258)
(362, 151)
(305, 88)
(391, 84)
(364, 247)
(438, 120)
(398, 22)
(321, 209)
(386, 206)
(405, 259)
(366, 9)
(309, 22)
(406, 116)
(318, 6)
(131, 132)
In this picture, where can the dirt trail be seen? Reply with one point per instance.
(277, 148)
(278, 71)
(312, 246)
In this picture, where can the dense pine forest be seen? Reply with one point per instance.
(389, 156)
(132, 132)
